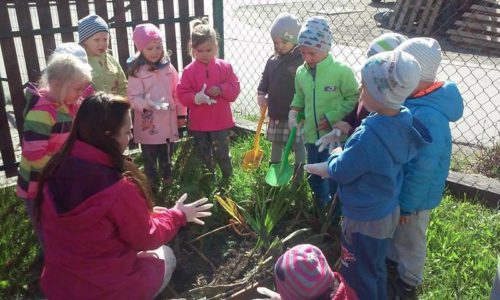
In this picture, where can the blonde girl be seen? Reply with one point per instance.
(52, 106)
(207, 87)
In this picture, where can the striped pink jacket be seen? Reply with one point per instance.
(46, 127)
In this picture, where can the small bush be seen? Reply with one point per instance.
(488, 162)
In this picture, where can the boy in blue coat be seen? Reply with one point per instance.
(434, 104)
(369, 170)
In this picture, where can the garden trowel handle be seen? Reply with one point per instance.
(263, 111)
(291, 139)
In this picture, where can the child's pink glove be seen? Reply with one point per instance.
(194, 210)
(320, 169)
(201, 97)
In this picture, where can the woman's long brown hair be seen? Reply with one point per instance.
(99, 119)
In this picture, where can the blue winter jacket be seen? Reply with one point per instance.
(370, 169)
(425, 175)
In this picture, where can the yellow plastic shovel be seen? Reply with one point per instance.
(252, 158)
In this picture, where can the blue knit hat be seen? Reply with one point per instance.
(316, 33)
(89, 26)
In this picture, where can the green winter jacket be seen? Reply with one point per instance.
(332, 92)
(107, 75)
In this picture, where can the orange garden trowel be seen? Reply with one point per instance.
(252, 158)
(280, 174)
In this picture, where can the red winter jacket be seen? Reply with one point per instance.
(94, 222)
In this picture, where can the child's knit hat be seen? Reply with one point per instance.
(73, 49)
(89, 26)
(316, 33)
(386, 42)
(286, 27)
(302, 273)
(427, 52)
(391, 77)
(144, 34)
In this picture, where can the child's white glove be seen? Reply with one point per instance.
(292, 119)
(261, 100)
(330, 140)
(320, 169)
(267, 292)
(194, 210)
(201, 97)
(156, 104)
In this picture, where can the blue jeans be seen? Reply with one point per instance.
(364, 248)
(323, 189)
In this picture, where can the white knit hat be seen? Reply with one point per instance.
(390, 77)
(73, 49)
(316, 33)
(427, 52)
(286, 27)
(386, 42)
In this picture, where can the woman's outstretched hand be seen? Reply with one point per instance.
(194, 210)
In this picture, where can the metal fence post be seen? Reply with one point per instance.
(218, 12)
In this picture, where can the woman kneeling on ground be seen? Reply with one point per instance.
(103, 237)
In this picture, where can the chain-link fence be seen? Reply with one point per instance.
(468, 32)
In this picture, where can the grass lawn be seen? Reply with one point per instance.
(463, 238)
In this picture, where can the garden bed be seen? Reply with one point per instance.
(221, 259)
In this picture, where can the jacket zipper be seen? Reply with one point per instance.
(314, 103)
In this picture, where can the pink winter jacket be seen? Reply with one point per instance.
(155, 126)
(206, 117)
(94, 222)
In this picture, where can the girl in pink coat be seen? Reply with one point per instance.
(152, 92)
(207, 87)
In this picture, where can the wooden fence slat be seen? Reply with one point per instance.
(6, 144)
(466, 25)
(45, 20)
(153, 12)
(12, 67)
(430, 24)
(121, 33)
(199, 9)
(136, 9)
(101, 9)
(423, 17)
(28, 42)
(402, 15)
(185, 31)
(168, 12)
(480, 17)
(64, 14)
(82, 8)
(416, 10)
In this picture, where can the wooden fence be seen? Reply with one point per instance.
(31, 23)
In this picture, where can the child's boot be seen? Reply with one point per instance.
(404, 291)
(392, 276)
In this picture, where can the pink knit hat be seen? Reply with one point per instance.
(144, 34)
(302, 273)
